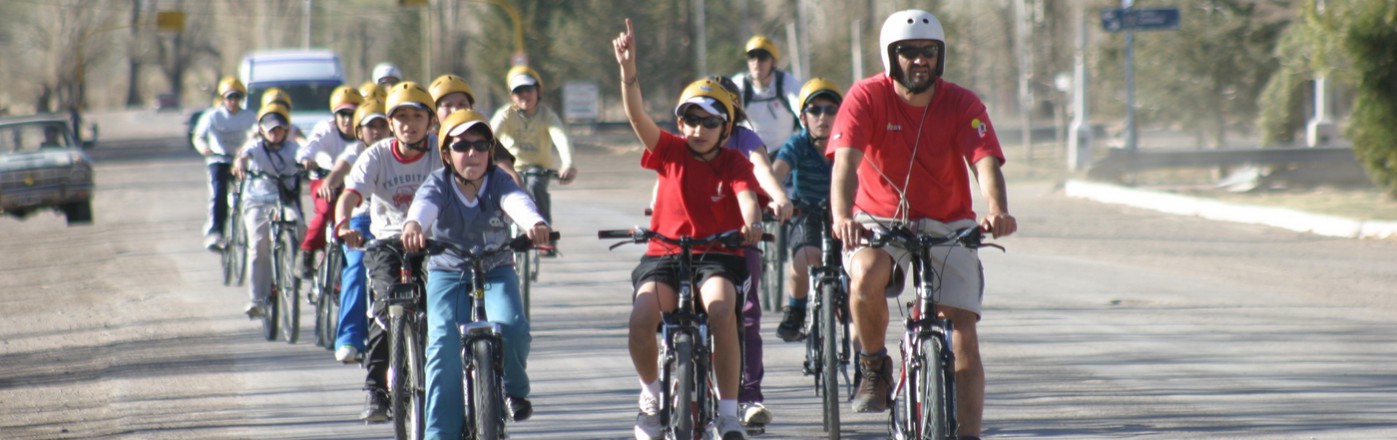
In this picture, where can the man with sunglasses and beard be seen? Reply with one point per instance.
(901, 144)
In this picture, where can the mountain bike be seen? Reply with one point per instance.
(283, 307)
(924, 397)
(526, 261)
(482, 346)
(405, 305)
(688, 387)
(325, 291)
(234, 253)
(827, 342)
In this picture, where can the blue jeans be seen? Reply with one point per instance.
(449, 301)
(354, 324)
(220, 176)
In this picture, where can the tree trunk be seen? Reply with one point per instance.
(133, 84)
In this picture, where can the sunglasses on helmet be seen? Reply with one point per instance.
(483, 146)
(912, 52)
(707, 122)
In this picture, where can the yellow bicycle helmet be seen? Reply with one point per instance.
(695, 94)
(410, 94)
(276, 95)
(371, 90)
(818, 87)
(230, 84)
(345, 97)
(369, 110)
(761, 42)
(520, 76)
(448, 84)
(458, 122)
(274, 109)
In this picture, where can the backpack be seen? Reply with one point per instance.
(780, 94)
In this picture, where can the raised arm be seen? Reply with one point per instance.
(645, 128)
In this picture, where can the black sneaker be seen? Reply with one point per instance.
(520, 409)
(875, 381)
(307, 268)
(792, 324)
(375, 407)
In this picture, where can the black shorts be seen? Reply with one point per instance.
(665, 269)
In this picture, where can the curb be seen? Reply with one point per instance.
(1290, 219)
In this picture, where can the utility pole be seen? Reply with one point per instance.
(1079, 132)
(1131, 133)
(700, 40)
(1021, 26)
(305, 26)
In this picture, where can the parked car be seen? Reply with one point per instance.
(42, 166)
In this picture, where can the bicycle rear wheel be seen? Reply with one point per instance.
(270, 309)
(829, 357)
(683, 379)
(290, 286)
(485, 384)
(235, 249)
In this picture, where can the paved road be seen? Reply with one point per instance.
(1101, 322)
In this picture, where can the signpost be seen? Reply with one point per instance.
(1128, 19)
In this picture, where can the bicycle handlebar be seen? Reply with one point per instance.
(730, 239)
(434, 247)
(971, 237)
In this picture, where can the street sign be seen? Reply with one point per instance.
(1158, 19)
(581, 102)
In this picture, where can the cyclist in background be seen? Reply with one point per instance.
(530, 131)
(469, 204)
(768, 94)
(803, 159)
(385, 177)
(218, 136)
(327, 140)
(904, 139)
(274, 155)
(387, 75)
(703, 190)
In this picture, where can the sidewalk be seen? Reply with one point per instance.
(1326, 225)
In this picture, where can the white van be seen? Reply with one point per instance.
(309, 76)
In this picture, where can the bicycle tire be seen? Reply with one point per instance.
(236, 245)
(327, 285)
(269, 315)
(289, 294)
(399, 389)
(682, 420)
(521, 268)
(934, 418)
(415, 333)
(487, 400)
(767, 295)
(230, 225)
(829, 357)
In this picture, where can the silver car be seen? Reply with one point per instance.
(43, 166)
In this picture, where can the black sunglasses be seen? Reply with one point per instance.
(912, 52)
(759, 55)
(234, 96)
(483, 146)
(708, 122)
(820, 110)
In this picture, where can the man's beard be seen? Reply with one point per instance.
(902, 77)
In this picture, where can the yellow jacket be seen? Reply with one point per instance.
(532, 139)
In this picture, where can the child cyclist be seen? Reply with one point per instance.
(468, 204)
(703, 190)
(803, 157)
(386, 176)
(273, 155)
(453, 94)
(327, 140)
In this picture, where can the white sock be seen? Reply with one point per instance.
(727, 408)
(651, 389)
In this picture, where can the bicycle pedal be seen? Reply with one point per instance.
(755, 429)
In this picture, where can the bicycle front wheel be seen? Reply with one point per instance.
(683, 382)
(829, 357)
(935, 420)
(290, 285)
(400, 390)
(522, 268)
(486, 398)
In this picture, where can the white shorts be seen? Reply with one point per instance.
(962, 280)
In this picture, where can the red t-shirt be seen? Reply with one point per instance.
(954, 129)
(695, 198)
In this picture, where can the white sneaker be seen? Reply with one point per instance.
(347, 354)
(755, 413)
(731, 429)
(647, 422)
(213, 242)
(254, 310)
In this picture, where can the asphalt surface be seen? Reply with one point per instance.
(1101, 321)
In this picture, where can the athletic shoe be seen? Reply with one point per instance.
(755, 413)
(214, 242)
(875, 380)
(307, 268)
(731, 429)
(792, 322)
(375, 407)
(347, 354)
(254, 310)
(647, 422)
(520, 409)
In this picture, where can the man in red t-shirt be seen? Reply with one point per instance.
(703, 190)
(904, 139)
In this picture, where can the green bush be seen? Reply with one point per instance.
(1369, 42)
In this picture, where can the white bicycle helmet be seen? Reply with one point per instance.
(385, 70)
(911, 24)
